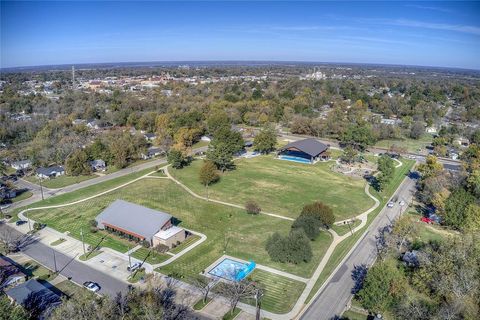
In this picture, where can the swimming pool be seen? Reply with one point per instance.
(232, 270)
(294, 159)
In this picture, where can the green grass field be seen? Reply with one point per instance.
(282, 187)
(229, 230)
(280, 293)
(59, 182)
(22, 196)
(411, 145)
(189, 241)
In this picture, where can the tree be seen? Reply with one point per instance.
(294, 248)
(359, 136)
(349, 155)
(456, 207)
(321, 212)
(234, 291)
(10, 311)
(205, 285)
(381, 288)
(417, 130)
(386, 169)
(309, 224)
(176, 158)
(208, 174)
(224, 145)
(430, 168)
(216, 121)
(77, 163)
(252, 207)
(265, 140)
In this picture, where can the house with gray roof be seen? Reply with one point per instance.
(50, 172)
(34, 292)
(307, 150)
(152, 152)
(98, 165)
(21, 165)
(137, 222)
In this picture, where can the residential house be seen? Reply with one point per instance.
(150, 137)
(431, 129)
(77, 122)
(93, 124)
(140, 223)
(21, 165)
(7, 193)
(152, 152)
(33, 291)
(98, 165)
(206, 138)
(12, 275)
(464, 142)
(50, 172)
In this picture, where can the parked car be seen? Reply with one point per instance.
(402, 203)
(91, 286)
(134, 267)
(390, 204)
(427, 220)
(20, 222)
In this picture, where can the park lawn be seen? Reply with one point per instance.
(353, 315)
(344, 247)
(189, 241)
(282, 187)
(153, 257)
(280, 293)
(22, 196)
(412, 145)
(61, 181)
(345, 228)
(229, 230)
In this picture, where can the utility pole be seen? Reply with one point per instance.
(54, 260)
(258, 295)
(129, 260)
(83, 243)
(41, 187)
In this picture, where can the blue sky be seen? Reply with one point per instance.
(414, 33)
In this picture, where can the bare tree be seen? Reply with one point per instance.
(204, 284)
(13, 242)
(237, 290)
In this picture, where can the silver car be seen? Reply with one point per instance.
(91, 286)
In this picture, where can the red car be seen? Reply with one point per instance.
(427, 220)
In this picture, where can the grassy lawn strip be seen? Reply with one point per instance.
(35, 270)
(282, 187)
(22, 196)
(57, 242)
(59, 182)
(412, 145)
(280, 294)
(137, 275)
(89, 255)
(70, 289)
(200, 304)
(153, 258)
(231, 315)
(344, 247)
(345, 228)
(189, 241)
(352, 315)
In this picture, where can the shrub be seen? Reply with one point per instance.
(93, 229)
(94, 223)
(146, 244)
(38, 226)
(252, 207)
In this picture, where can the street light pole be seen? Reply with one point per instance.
(41, 187)
(83, 243)
(54, 260)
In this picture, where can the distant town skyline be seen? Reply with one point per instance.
(444, 34)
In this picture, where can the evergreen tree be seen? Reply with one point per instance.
(265, 140)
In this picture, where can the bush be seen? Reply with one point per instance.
(146, 244)
(252, 207)
(94, 223)
(38, 226)
(321, 212)
(93, 229)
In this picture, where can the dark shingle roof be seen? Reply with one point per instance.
(309, 146)
(133, 218)
(25, 290)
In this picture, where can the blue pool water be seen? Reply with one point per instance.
(294, 159)
(232, 270)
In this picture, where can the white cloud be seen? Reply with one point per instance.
(437, 26)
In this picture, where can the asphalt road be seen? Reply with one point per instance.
(336, 294)
(69, 267)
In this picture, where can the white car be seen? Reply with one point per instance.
(402, 203)
(134, 267)
(390, 204)
(91, 286)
